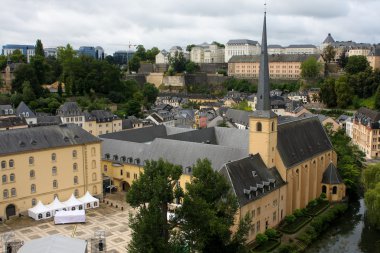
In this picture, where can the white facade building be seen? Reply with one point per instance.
(207, 53)
(162, 57)
(241, 47)
(301, 49)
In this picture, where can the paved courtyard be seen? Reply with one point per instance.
(112, 220)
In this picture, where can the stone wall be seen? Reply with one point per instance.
(155, 78)
(212, 68)
(176, 81)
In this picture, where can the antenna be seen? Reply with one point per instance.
(265, 7)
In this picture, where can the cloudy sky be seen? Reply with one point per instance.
(164, 23)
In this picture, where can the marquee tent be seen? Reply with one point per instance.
(55, 206)
(39, 212)
(89, 201)
(73, 203)
(64, 217)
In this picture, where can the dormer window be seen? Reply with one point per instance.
(254, 173)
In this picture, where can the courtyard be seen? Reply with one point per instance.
(114, 221)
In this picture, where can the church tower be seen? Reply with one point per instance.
(263, 122)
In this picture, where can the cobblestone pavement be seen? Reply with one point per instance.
(114, 221)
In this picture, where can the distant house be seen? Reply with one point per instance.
(100, 122)
(207, 53)
(162, 57)
(24, 111)
(70, 112)
(6, 111)
(162, 118)
(12, 122)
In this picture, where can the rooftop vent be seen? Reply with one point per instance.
(254, 173)
(33, 142)
(66, 139)
(21, 143)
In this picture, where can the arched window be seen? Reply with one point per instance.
(93, 151)
(54, 171)
(5, 194)
(334, 190)
(75, 167)
(272, 126)
(259, 127)
(75, 180)
(3, 164)
(75, 154)
(33, 188)
(94, 176)
(94, 190)
(32, 174)
(31, 160)
(324, 189)
(53, 157)
(93, 164)
(76, 193)
(55, 184)
(4, 179)
(11, 163)
(13, 192)
(34, 202)
(12, 177)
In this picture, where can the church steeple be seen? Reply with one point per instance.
(263, 122)
(263, 109)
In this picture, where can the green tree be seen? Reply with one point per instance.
(192, 67)
(134, 63)
(328, 54)
(38, 63)
(371, 176)
(25, 73)
(342, 61)
(3, 62)
(356, 64)
(208, 212)
(141, 52)
(150, 93)
(189, 47)
(151, 54)
(27, 92)
(327, 94)
(39, 49)
(17, 56)
(60, 90)
(151, 193)
(372, 202)
(311, 68)
(344, 92)
(243, 105)
(218, 44)
(178, 62)
(133, 108)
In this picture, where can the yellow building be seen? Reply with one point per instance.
(100, 122)
(38, 164)
(366, 132)
(374, 58)
(281, 66)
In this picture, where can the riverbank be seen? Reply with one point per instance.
(348, 234)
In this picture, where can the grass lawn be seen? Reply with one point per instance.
(296, 225)
(319, 208)
(267, 247)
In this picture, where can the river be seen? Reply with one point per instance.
(349, 234)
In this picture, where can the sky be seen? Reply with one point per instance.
(113, 24)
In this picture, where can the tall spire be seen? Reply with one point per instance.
(263, 102)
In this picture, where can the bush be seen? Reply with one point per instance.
(287, 248)
(322, 197)
(261, 238)
(298, 212)
(312, 203)
(290, 218)
(271, 233)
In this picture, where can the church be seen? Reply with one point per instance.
(277, 166)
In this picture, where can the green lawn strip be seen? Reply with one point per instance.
(294, 227)
(270, 245)
(318, 209)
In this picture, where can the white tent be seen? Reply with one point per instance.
(39, 212)
(89, 201)
(65, 217)
(55, 206)
(73, 203)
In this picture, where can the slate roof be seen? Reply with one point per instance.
(272, 58)
(331, 175)
(302, 46)
(69, 108)
(242, 42)
(206, 135)
(6, 110)
(10, 122)
(100, 116)
(48, 120)
(275, 46)
(329, 39)
(370, 114)
(238, 116)
(24, 110)
(301, 139)
(251, 179)
(32, 139)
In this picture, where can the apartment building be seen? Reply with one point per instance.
(241, 47)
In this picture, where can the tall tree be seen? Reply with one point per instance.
(327, 94)
(39, 49)
(151, 193)
(344, 92)
(189, 47)
(208, 213)
(17, 56)
(27, 92)
(356, 64)
(3, 62)
(328, 54)
(311, 68)
(372, 201)
(151, 54)
(178, 62)
(150, 93)
(134, 63)
(342, 61)
(141, 52)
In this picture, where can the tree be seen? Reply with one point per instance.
(371, 176)
(311, 68)
(177, 62)
(192, 67)
(243, 105)
(133, 108)
(27, 92)
(25, 73)
(208, 212)
(39, 50)
(327, 94)
(151, 193)
(151, 54)
(134, 63)
(344, 92)
(141, 52)
(342, 61)
(356, 64)
(3, 62)
(218, 44)
(150, 93)
(328, 54)
(372, 202)
(60, 90)
(189, 47)
(17, 56)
